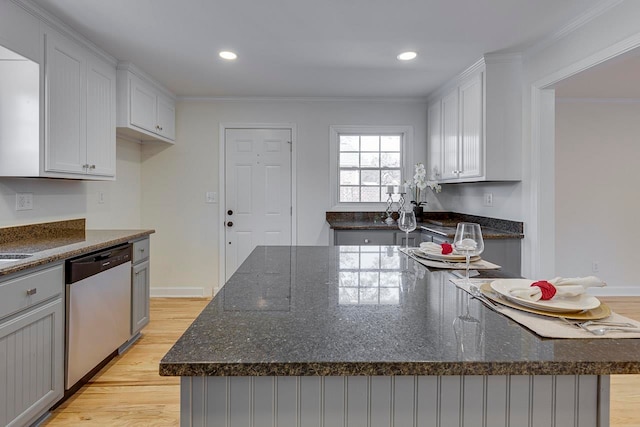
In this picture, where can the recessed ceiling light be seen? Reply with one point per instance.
(225, 54)
(407, 56)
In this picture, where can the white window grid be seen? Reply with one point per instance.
(369, 162)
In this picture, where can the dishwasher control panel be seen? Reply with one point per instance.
(89, 265)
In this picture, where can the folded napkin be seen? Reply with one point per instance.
(436, 248)
(565, 287)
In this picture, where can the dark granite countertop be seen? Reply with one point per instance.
(369, 310)
(55, 242)
(443, 223)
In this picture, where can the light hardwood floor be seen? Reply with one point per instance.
(129, 391)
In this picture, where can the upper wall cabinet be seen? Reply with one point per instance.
(146, 110)
(474, 123)
(80, 110)
(58, 107)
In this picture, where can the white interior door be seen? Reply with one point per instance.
(257, 192)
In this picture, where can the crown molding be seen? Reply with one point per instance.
(578, 100)
(397, 100)
(51, 20)
(582, 19)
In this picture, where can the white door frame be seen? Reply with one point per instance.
(221, 186)
(539, 252)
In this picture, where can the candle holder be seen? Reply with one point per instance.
(401, 203)
(389, 220)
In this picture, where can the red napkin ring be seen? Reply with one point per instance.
(548, 290)
(446, 248)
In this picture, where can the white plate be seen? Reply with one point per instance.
(554, 305)
(442, 257)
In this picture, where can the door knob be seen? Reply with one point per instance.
(229, 212)
(230, 224)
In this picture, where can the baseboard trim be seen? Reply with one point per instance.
(177, 292)
(617, 291)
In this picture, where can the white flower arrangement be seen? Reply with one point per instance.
(420, 183)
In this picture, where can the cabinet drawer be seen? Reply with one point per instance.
(30, 289)
(140, 250)
(364, 237)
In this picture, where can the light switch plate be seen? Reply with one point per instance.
(211, 197)
(24, 201)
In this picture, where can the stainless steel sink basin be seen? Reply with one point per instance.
(13, 257)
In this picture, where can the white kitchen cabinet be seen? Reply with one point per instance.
(101, 118)
(31, 344)
(474, 129)
(139, 297)
(364, 237)
(470, 153)
(462, 137)
(79, 111)
(450, 137)
(146, 111)
(434, 120)
(140, 286)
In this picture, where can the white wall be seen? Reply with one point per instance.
(469, 198)
(175, 178)
(570, 53)
(597, 195)
(59, 199)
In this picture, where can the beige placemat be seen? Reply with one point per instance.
(477, 265)
(551, 327)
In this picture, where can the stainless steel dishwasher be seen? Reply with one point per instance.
(98, 297)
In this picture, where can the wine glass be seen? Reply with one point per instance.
(407, 223)
(468, 241)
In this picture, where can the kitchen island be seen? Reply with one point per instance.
(363, 335)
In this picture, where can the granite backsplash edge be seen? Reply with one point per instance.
(495, 223)
(71, 228)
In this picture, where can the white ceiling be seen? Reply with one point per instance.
(311, 48)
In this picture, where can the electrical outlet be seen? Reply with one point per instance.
(488, 199)
(24, 201)
(595, 267)
(211, 197)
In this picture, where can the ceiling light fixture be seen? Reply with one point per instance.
(225, 54)
(407, 56)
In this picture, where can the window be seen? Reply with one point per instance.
(365, 160)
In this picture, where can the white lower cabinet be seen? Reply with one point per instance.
(374, 238)
(139, 297)
(31, 345)
(363, 237)
(140, 286)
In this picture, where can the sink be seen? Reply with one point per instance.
(13, 257)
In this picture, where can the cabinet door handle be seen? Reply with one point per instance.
(230, 224)
(366, 240)
(141, 249)
(32, 291)
(92, 167)
(85, 166)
